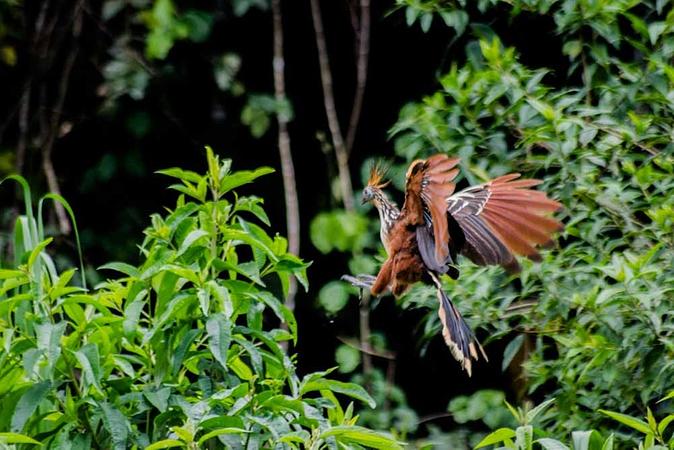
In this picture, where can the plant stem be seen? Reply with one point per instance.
(287, 166)
(330, 110)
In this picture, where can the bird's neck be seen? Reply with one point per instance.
(388, 211)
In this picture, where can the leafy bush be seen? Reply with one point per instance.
(600, 303)
(526, 437)
(180, 351)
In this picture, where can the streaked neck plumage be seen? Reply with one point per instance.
(388, 215)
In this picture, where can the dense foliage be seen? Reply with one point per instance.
(603, 298)
(592, 322)
(180, 351)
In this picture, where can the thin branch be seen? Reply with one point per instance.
(53, 130)
(287, 167)
(431, 417)
(390, 379)
(385, 354)
(364, 330)
(330, 111)
(353, 16)
(21, 145)
(363, 37)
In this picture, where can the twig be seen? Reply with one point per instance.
(430, 417)
(367, 349)
(330, 111)
(287, 167)
(363, 38)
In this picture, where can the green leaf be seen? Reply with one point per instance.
(89, 359)
(334, 296)
(166, 443)
(608, 443)
(552, 444)
(15, 438)
(347, 357)
(181, 174)
(581, 439)
(631, 422)
(655, 29)
(411, 15)
(426, 20)
(252, 205)
(132, 313)
(511, 350)
(49, 341)
(495, 437)
(220, 432)
(27, 405)
(8, 273)
(535, 412)
(281, 310)
(456, 19)
(664, 423)
(126, 269)
(158, 398)
(37, 250)
(116, 425)
(242, 177)
(524, 437)
(64, 203)
(362, 436)
(190, 239)
(349, 389)
(219, 330)
(572, 48)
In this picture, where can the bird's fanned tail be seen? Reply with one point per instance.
(456, 332)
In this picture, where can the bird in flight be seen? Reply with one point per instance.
(489, 223)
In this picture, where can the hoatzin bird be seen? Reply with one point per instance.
(489, 223)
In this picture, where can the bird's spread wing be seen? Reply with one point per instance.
(502, 218)
(429, 184)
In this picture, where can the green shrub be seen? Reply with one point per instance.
(600, 303)
(654, 435)
(179, 351)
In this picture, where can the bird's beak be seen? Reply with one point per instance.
(366, 197)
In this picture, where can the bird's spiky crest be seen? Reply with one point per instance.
(378, 172)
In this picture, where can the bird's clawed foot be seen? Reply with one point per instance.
(363, 281)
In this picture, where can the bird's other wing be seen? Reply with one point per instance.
(502, 218)
(429, 184)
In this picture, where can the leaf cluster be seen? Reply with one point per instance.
(183, 350)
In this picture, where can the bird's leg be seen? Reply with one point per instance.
(363, 281)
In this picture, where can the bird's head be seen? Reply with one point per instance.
(375, 183)
(368, 195)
